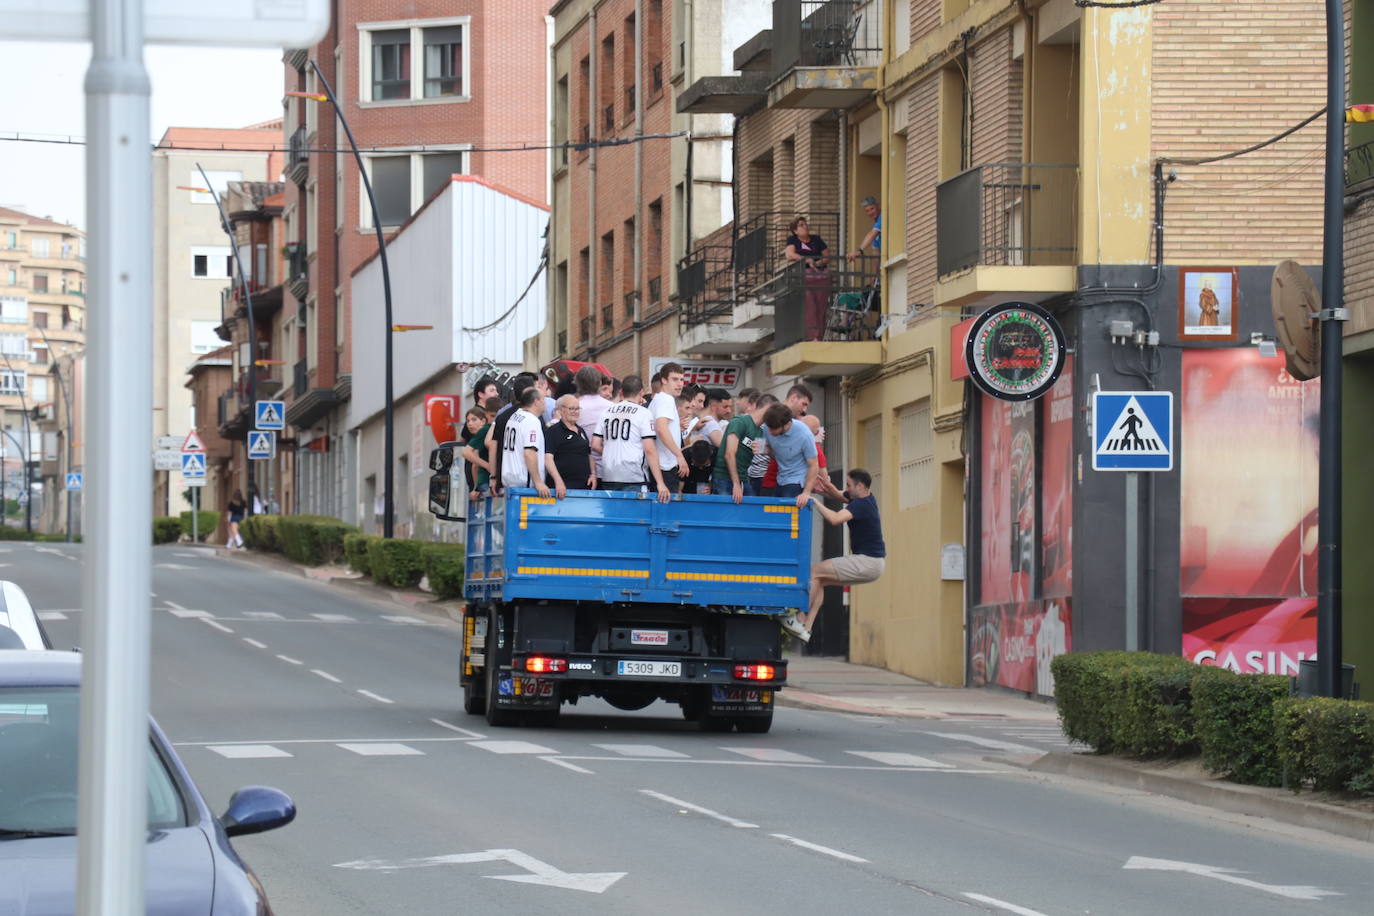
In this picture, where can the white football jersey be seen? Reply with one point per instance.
(523, 431)
(623, 428)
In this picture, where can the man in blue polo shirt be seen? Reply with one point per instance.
(793, 447)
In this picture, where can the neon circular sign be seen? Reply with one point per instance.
(1015, 351)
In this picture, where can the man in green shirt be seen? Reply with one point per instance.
(474, 457)
(743, 435)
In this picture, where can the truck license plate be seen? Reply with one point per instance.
(649, 669)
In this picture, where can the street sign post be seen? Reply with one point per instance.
(167, 459)
(172, 442)
(262, 444)
(192, 443)
(269, 415)
(74, 482)
(192, 464)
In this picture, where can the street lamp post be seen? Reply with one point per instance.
(66, 400)
(389, 438)
(26, 453)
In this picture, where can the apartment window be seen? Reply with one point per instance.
(12, 277)
(40, 354)
(606, 88)
(40, 319)
(584, 103)
(203, 337)
(653, 41)
(40, 283)
(11, 240)
(561, 118)
(218, 182)
(12, 382)
(16, 345)
(607, 278)
(14, 309)
(41, 248)
(627, 78)
(653, 245)
(403, 183)
(916, 455)
(414, 60)
(872, 437)
(584, 282)
(38, 389)
(213, 262)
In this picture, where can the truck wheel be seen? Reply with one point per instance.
(496, 716)
(755, 725)
(474, 699)
(710, 723)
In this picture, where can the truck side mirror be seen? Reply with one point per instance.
(444, 497)
(441, 459)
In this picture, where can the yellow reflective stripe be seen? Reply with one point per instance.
(790, 509)
(525, 507)
(561, 571)
(728, 577)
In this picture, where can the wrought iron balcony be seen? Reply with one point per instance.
(298, 270)
(1007, 214)
(843, 304)
(300, 378)
(655, 290)
(838, 40)
(1359, 164)
(298, 157)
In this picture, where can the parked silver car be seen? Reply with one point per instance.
(20, 627)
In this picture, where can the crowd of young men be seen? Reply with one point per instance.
(684, 439)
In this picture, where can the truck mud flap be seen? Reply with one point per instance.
(740, 701)
(518, 691)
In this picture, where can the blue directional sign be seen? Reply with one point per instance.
(192, 464)
(262, 444)
(1133, 431)
(269, 414)
(74, 481)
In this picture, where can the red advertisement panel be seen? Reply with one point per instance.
(1023, 499)
(995, 497)
(1249, 477)
(1012, 644)
(1056, 487)
(1250, 635)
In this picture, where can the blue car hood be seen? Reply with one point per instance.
(38, 876)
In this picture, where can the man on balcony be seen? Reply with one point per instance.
(875, 235)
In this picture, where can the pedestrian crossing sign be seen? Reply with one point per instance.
(262, 444)
(269, 414)
(74, 482)
(192, 464)
(1133, 431)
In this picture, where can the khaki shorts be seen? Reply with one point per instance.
(856, 569)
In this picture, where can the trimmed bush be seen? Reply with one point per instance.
(1155, 716)
(14, 534)
(355, 550)
(1327, 743)
(57, 538)
(1233, 716)
(261, 532)
(208, 522)
(166, 529)
(1086, 692)
(312, 539)
(396, 561)
(444, 565)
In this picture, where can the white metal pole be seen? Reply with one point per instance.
(112, 815)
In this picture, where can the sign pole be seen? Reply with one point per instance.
(195, 515)
(1132, 561)
(112, 816)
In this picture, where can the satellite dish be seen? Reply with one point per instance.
(1293, 299)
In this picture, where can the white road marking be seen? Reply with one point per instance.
(1230, 876)
(640, 750)
(401, 618)
(173, 605)
(569, 766)
(540, 872)
(192, 556)
(901, 760)
(262, 615)
(274, 741)
(216, 624)
(383, 749)
(992, 743)
(254, 643)
(454, 728)
(1002, 905)
(373, 696)
(326, 675)
(770, 754)
(688, 806)
(953, 771)
(247, 751)
(816, 847)
(51, 615)
(334, 618)
(290, 661)
(172, 566)
(182, 612)
(513, 747)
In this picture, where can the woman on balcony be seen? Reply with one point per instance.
(810, 250)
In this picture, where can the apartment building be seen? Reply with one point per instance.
(642, 180)
(192, 263)
(429, 89)
(42, 320)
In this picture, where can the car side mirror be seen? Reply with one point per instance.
(255, 809)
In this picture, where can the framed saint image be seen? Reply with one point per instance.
(1207, 303)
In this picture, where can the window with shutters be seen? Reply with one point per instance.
(916, 455)
(414, 61)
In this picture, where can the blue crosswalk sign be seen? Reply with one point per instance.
(74, 481)
(269, 414)
(193, 464)
(262, 444)
(1133, 431)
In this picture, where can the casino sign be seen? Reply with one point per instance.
(1015, 351)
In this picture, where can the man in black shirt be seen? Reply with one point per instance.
(866, 562)
(568, 453)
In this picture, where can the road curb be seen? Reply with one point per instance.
(1250, 800)
(803, 699)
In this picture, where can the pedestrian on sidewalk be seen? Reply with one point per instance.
(237, 508)
(865, 564)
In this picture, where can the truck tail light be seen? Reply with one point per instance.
(756, 672)
(541, 664)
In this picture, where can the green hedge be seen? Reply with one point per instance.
(396, 562)
(355, 551)
(1326, 743)
(444, 565)
(1086, 688)
(166, 529)
(312, 539)
(208, 522)
(14, 534)
(260, 532)
(1133, 703)
(1233, 716)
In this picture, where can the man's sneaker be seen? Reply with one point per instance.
(791, 624)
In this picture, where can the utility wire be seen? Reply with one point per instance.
(543, 263)
(1249, 149)
(1123, 5)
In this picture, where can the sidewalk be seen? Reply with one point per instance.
(834, 685)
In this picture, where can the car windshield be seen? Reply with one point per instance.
(38, 764)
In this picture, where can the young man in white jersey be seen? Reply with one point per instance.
(626, 442)
(668, 427)
(522, 448)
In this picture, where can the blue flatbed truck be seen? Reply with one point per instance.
(618, 596)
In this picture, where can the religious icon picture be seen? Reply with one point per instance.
(1207, 303)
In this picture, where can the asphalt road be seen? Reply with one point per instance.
(407, 805)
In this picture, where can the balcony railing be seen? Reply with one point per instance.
(608, 119)
(842, 304)
(655, 290)
(825, 33)
(706, 284)
(298, 157)
(1007, 214)
(300, 378)
(1359, 164)
(762, 239)
(298, 270)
